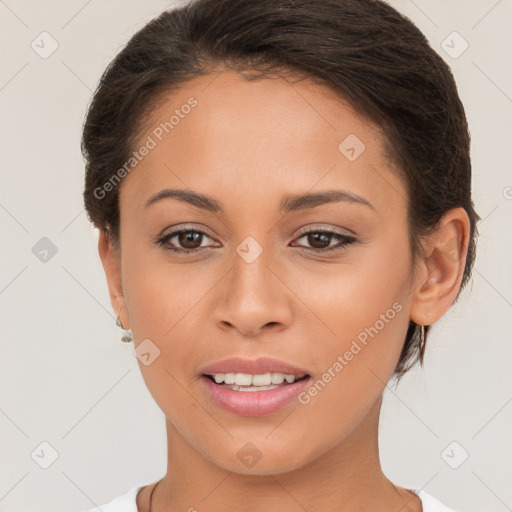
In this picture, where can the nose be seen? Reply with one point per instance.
(254, 297)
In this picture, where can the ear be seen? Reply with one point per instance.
(441, 267)
(111, 261)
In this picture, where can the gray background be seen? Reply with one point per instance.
(66, 379)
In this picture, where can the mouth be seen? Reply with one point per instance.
(255, 382)
(253, 387)
(259, 398)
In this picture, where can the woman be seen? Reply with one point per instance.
(283, 193)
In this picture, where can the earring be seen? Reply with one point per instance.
(127, 336)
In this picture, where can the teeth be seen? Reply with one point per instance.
(234, 387)
(229, 378)
(242, 379)
(278, 378)
(246, 379)
(260, 380)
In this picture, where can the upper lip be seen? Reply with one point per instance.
(253, 366)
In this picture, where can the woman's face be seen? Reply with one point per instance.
(255, 284)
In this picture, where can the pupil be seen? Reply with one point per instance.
(314, 238)
(188, 238)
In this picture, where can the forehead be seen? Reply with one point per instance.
(223, 133)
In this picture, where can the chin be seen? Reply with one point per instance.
(249, 460)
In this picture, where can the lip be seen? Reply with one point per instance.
(253, 366)
(254, 403)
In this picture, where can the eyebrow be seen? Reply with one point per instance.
(289, 203)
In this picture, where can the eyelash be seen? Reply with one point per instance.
(345, 240)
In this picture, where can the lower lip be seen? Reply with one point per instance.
(254, 403)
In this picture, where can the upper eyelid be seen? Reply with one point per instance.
(182, 229)
(330, 230)
(302, 231)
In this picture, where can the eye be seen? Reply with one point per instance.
(189, 239)
(320, 240)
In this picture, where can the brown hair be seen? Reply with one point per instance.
(365, 50)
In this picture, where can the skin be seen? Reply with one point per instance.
(247, 144)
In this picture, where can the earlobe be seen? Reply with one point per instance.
(112, 267)
(441, 268)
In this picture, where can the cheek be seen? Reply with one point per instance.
(350, 296)
(160, 305)
(158, 294)
(360, 320)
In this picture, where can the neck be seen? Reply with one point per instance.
(345, 478)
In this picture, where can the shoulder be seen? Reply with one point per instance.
(127, 502)
(431, 504)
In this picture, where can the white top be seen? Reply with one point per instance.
(127, 502)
